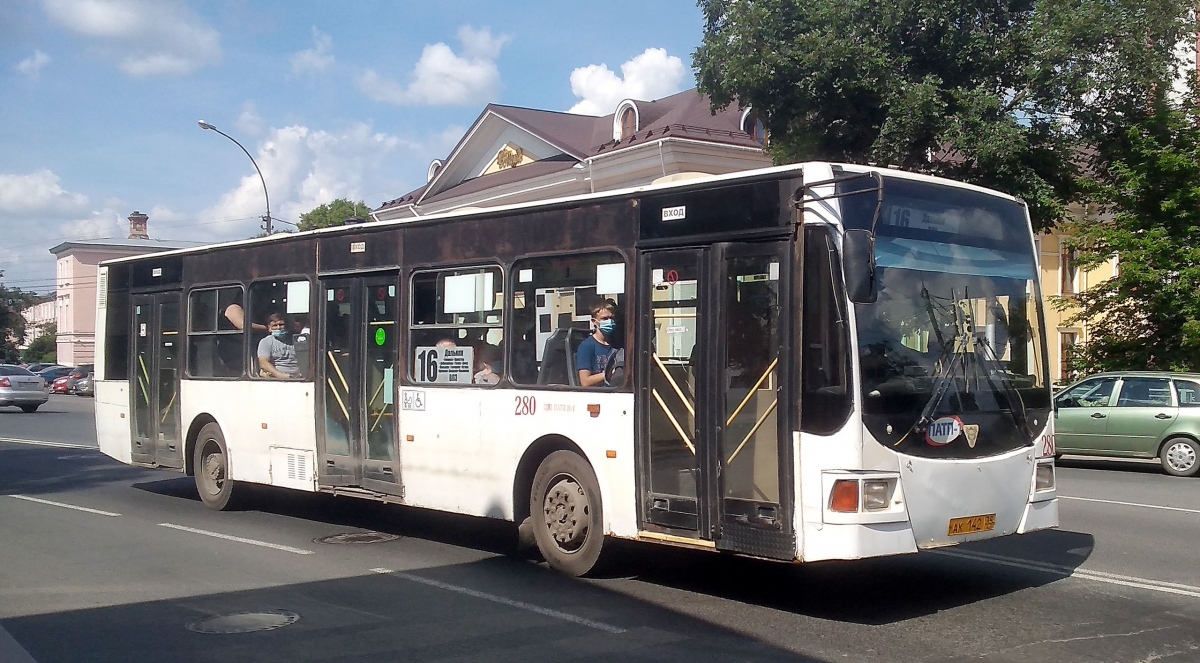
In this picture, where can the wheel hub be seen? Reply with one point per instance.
(214, 471)
(1181, 457)
(566, 511)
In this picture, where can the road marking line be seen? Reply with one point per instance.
(229, 537)
(1144, 506)
(1084, 574)
(557, 614)
(46, 443)
(65, 506)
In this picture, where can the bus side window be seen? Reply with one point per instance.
(456, 330)
(551, 306)
(214, 342)
(289, 299)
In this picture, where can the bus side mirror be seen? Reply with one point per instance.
(858, 263)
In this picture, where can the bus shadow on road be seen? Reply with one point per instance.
(41, 470)
(485, 534)
(872, 591)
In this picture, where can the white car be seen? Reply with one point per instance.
(20, 388)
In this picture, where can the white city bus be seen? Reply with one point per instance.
(813, 362)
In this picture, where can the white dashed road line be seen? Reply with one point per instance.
(238, 539)
(1137, 504)
(557, 614)
(46, 443)
(1084, 574)
(65, 506)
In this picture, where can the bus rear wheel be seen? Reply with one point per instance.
(211, 465)
(568, 522)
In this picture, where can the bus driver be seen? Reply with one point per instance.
(593, 354)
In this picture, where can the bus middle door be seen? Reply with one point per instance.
(356, 430)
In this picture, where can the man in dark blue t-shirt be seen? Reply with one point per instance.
(593, 354)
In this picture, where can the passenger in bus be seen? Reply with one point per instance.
(277, 352)
(593, 354)
(237, 317)
(489, 366)
(446, 343)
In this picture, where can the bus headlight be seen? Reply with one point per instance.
(875, 494)
(1044, 478)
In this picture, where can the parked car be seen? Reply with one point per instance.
(1133, 415)
(38, 368)
(20, 388)
(54, 373)
(66, 383)
(85, 386)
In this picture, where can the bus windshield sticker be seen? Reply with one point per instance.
(525, 276)
(388, 390)
(412, 400)
(610, 279)
(441, 365)
(656, 276)
(468, 293)
(297, 297)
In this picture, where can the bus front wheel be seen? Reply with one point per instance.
(568, 522)
(211, 465)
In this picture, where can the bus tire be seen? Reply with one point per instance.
(1180, 457)
(568, 519)
(211, 463)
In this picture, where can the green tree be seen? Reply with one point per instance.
(333, 214)
(1148, 315)
(998, 93)
(12, 323)
(44, 348)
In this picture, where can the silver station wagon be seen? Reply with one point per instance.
(1133, 415)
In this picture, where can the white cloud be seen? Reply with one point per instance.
(249, 122)
(32, 66)
(305, 168)
(442, 78)
(38, 192)
(144, 37)
(102, 223)
(651, 75)
(314, 60)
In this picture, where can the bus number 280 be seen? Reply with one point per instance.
(525, 405)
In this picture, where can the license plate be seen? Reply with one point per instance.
(971, 525)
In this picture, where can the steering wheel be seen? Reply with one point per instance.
(614, 370)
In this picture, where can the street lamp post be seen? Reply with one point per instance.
(267, 218)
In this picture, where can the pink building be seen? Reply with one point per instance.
(76, 275)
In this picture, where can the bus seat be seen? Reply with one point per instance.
(558, 357)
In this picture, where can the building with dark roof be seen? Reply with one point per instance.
(513, 155)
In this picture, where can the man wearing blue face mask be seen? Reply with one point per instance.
(595, 351)
(276, 352)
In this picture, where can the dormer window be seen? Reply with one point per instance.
(753, 125)
(625, 120)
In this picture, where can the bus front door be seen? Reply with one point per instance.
(357, 429)
(713, 384)
(155, 385)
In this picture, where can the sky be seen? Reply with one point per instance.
(99, 102)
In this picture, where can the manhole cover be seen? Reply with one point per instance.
(357, 537)
(244, 622)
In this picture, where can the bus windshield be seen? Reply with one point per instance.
(952, 356)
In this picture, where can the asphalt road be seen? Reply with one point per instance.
(124, 574)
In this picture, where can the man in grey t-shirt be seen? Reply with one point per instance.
(276, 353)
